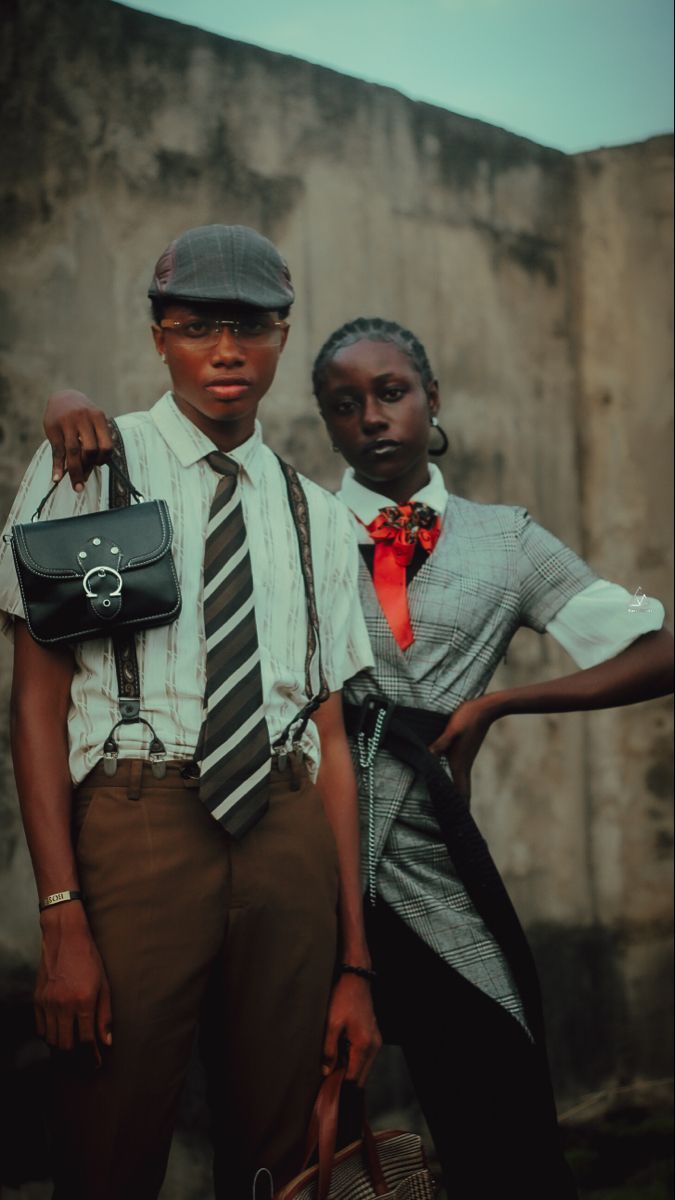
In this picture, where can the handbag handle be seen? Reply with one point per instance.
(114, 469)
(322, 1135)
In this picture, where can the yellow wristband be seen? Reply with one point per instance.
(58, 898)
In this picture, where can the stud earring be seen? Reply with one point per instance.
(437, 451)
(163, 357)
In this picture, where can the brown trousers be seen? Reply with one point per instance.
(174, 905)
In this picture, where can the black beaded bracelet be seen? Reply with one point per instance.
(362, 972)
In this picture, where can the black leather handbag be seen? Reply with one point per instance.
(95, 575)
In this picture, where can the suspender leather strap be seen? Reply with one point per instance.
(300, 513)
(124, 644)
(120, 492)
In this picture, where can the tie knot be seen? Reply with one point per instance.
(222, 464)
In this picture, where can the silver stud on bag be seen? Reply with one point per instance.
(114, 549)
(82, 554)
(96, 541)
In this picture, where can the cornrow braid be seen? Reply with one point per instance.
(372, 329)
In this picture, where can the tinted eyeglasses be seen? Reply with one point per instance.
(205, 332)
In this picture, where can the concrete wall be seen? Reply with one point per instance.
(541, 286)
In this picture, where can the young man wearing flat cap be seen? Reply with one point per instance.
(220, 889)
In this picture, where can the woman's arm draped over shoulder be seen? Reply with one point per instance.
(72, 996)
(78, 434)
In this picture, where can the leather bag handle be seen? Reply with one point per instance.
(322, 1136)
(115, 472)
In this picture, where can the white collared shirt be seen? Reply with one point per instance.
(593, 626)
(166, 459)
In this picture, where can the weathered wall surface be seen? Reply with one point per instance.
(540, 285)
(625, 319)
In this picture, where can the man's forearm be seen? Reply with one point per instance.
(350, 1022)
(72, 997)
(38, 721)
(44, 789)
(337, 788)
(336, 784)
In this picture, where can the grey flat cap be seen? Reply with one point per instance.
(223, 262)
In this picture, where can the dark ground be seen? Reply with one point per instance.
(624, 1154)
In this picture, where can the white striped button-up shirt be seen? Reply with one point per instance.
(166, 459)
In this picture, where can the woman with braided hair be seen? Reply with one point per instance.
(444, 584)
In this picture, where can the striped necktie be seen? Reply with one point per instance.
(234, 746)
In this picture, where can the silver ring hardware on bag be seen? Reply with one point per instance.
(103, 601)
(101, 571)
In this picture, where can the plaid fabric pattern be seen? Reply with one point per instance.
(493, 570)
(403, 1165)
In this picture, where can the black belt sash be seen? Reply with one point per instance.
(406, 734)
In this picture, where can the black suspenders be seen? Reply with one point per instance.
(124, 644)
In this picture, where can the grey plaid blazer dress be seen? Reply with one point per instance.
(493, 569)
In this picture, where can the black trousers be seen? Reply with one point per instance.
(482, 1086)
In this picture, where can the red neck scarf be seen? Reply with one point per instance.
(396, 531)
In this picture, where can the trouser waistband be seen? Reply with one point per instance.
(135, 771)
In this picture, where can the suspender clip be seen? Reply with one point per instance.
(281, 759)
(110, 753)
(157, 756)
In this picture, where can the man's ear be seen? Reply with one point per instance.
(285, 330)
(159, 338)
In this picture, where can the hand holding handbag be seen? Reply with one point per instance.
(93, 575)
(389, 1164)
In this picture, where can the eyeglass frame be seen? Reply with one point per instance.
(220, 323)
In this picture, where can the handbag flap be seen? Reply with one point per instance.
(63, 548)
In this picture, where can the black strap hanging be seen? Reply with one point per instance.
(300, 513)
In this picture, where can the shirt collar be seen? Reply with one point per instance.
(365, 504)
(190, 444)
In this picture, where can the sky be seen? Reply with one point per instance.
(572, 74)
